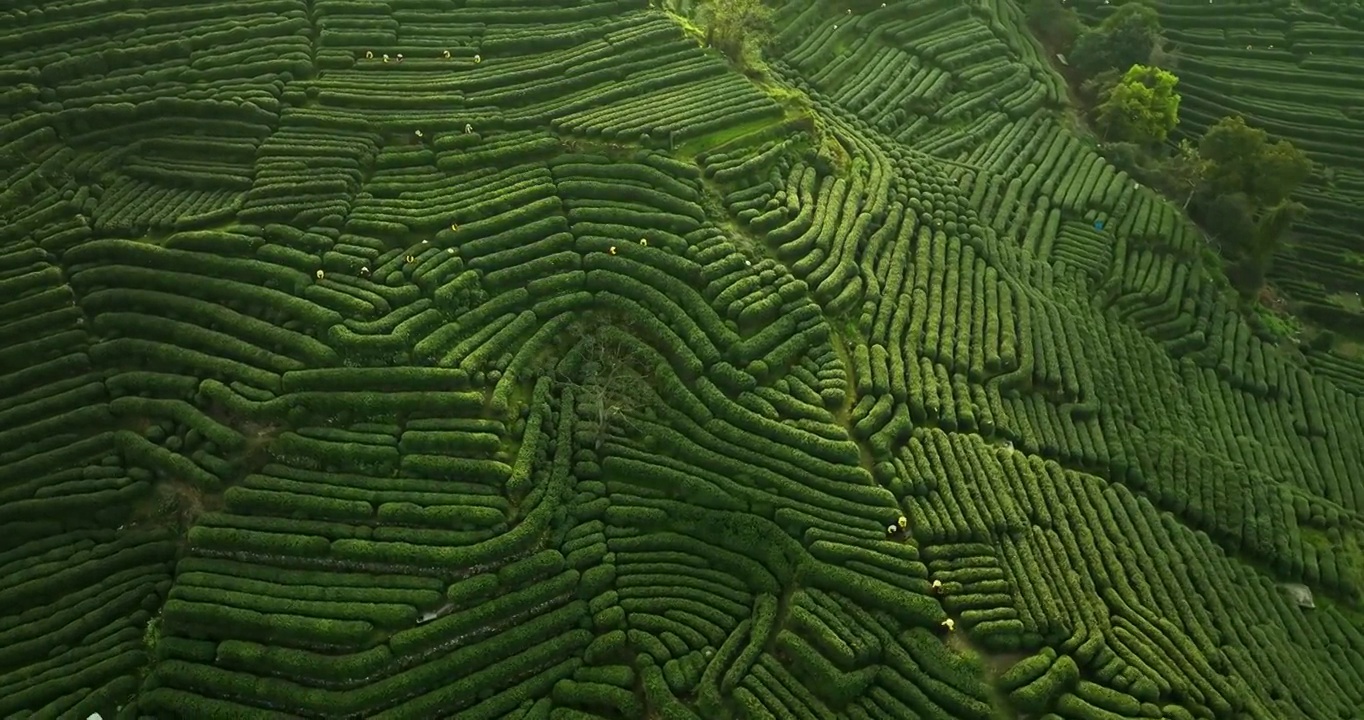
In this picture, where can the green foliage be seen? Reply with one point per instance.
(1185, 172)
(1230, 218)
(1142, 108)
(1093, 89)
(1246, 181)
(1128, 157)
(1089, 53)
(1125, 38)
(1057, 25)
(151, 635)
(1272, 226)
(1285, 327)
(1243, 160)
(733, 25)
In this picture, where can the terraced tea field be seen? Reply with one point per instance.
(472, 359)
(1294, 70)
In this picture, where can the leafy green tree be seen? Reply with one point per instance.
(1142, 108)
(1055, 24)
(1271, 228)
(731, 25)
(1185, 173)
(1089, 54)
(1231, 146)
(1092, 90)
(1123, 39)
(1250, 180)
(1249, 238)
(1230, 218)
(1280, 169)
(608, 380)
(1127, 157)
(1243, 160)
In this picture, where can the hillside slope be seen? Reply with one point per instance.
(431, 358)
(1293, 69)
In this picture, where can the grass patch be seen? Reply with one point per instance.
(988, 665)
(174, 504)
(1348, 547)
(1349, 301)
(1280, 326)
(726, 136)
(1349, 349)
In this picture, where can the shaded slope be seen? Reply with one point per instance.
(1101, 466)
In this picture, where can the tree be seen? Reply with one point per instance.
(1271, 228)
(1279, 170)
(1243, 160)
(1250, 238)
(1089, 54)
(1142, 108)
(1231, 146)
(1230, 218)
(605, 370)
(1123, 39)
(1163, 57)
(1250, 181)
(1131, 33)
(1093, 89)
(1132, 159)
(1125, 156)
(1185, 173)
(1057, 25)
(732, 24)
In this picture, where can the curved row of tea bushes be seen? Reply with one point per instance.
(1287, 71)
(1132, 654)
(1233, 379)
(1103, 443)
(682, 599)
(365, 644)
(365, 360)
(76, 594)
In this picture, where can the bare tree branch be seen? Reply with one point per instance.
(607, 374)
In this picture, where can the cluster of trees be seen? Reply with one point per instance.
(1130, 36)
(1238, 186)
(607, 374)
(734, 26)
(1120, 67)
(1140, 108)
(1233, 181)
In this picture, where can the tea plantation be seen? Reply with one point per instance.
(523, 359)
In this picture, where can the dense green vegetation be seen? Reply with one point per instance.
(451, 358)
(1233, 182)
(1287, 72)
